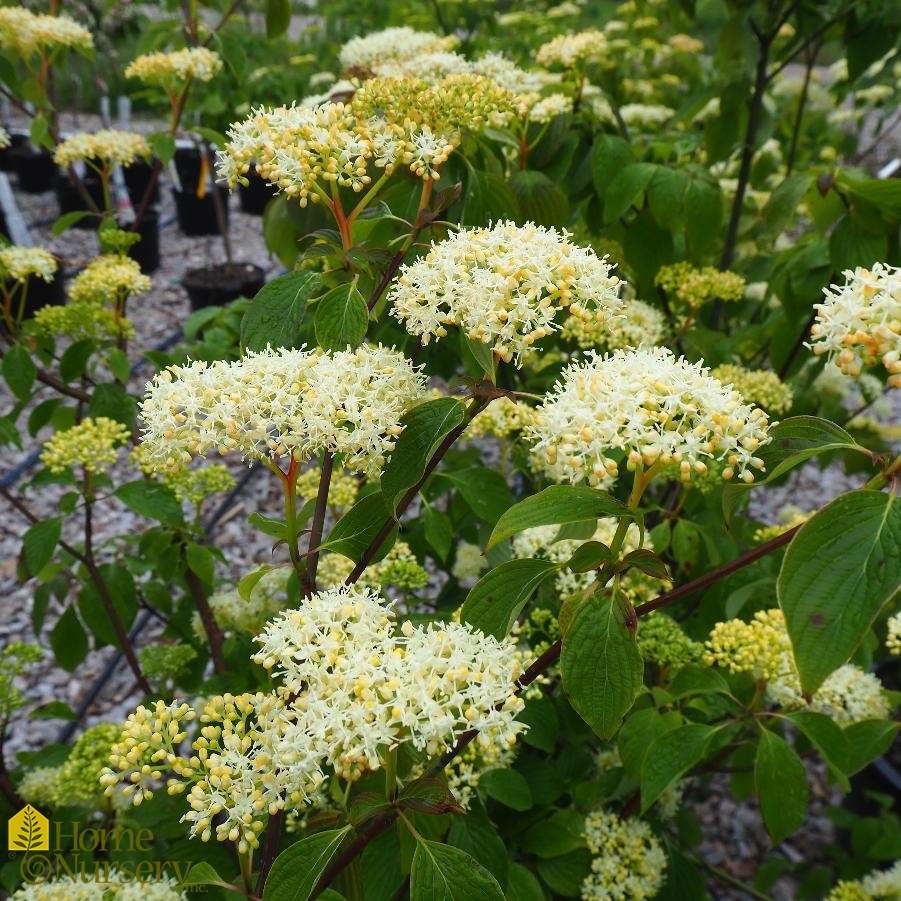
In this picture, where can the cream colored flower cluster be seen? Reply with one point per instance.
(277, 403)
(114, 884)
(502, 418)
(761, 387)
(510, 76)
(549, 107)
(26, 32)
(651, 406)
(20, 263)
(893, 639)
(762, 647)
(109, 145)
(878, 885)
(789, 518)
(688, 288)
(628, 860)
(392, 44)
(640, 325)
(196, 485)
(80, 321)
(429, 66)
(361, 687)
(248, 616)
(342, 490)
(176, 67)
(859, 324)
(93, 444)
(643, 114)
(504, 286)
(108, 280)
(570, 51)
(303, 150)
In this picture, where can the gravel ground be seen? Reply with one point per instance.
(734, 837)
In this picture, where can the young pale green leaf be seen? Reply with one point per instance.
(508, 787)
(444, 873)
(297, 869)
(669, 757)
(495, 601)
(341, 318)
(475, 352)
(67, 220)
(781, 782)
(426, 426)
(249, 582)
(19, 371)
(275, 528)
(840, 570)
(601, 665)
(352, 533)
(556, 505)
(39, 542)
(151, 499)
(163, 146)
(276, 313)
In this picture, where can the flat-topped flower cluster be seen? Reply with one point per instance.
(277, 403)
(27, 33)
(108, 145)
(175, 67)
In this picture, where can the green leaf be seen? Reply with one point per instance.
(249, 582)
(67, 220)
(202, 873)
(297, 869)
(507, 787)
(867, 740)
(478, 353)
(781, 782)
(278, 18)
(540, 200)
(782, 206)
(601, 665)
(73, 362)
(353, 533)
(68, 640)
(40, 132)
(609, 155)
(495, 601)
(275, 528)
(588, 556)
(626, 189)
(39, 542)
(666, 197)
(341, 318)
(444, 873)
(425, 427)
(839, 572)
(555, 505)
(439, 532)
(565, 874)
(851, 246)
(112, 400)
(646, 561)
(151, 499)
(118, 365)
(201, 562)
(276, 313)
(477, 835)
(703, 217)
(428, 796)
(483, 489)
(54, 710)
(669, 757)
(694, 679)
(827, 737)
(19, 371)
(486, 198)
(522, 884)
(163, 146)
(540, 715)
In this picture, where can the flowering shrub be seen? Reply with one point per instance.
(553, 330)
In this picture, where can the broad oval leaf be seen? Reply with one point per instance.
(341, 318)
(276, 313)
(540, 200)
(555, 505)
(669, 757)
(781, 782)
(495, 601)
(297, 869)
(444, 873)
(19, 371)
(601, 665)
(355, 530)
(840, 570)
(151, 499)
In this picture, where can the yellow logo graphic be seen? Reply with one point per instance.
(29, 830)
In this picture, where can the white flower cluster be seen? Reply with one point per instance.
(429, 66)
(510, 76)
(392, 44)
(504, 286)
(640, 325)
(111, 884)
(878, 885)
(359, 686)
(549, 107)
(639, 114)
(282, 402)
(859, 324)
(174, 68)
(19, 263)
(571, 50)
(651, 406)
(26, 32)
(628, 859)
(109, 145)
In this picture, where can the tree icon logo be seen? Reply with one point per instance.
(29, 830)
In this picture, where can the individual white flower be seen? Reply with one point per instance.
(503, 286)
(628, 861)
(650, 406)
(401, 43)
(859, 324)
(277, 403)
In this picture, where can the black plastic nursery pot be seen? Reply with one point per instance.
(188, 163)
(197, 215)
(9, 155)
(255, 195)
(221, 283)
(41, 294)
(70, 200)
(137, 178)
(36, 169)
(147, 251)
